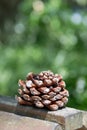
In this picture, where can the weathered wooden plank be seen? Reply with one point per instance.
(69, 118)
(11, 121)
(7, 104)
(85, 118)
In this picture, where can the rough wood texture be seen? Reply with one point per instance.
(84, 127)
(69, 118)
(7, 104)
(11, 121)
(85, 118)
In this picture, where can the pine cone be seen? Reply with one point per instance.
(43, 90)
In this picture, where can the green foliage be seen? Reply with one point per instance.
(46, 35)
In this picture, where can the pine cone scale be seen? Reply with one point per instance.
(43, 90)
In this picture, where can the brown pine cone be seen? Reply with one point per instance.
(43, 90)
(38, 104)
(53, 107)
(36, 98)
(23, 102)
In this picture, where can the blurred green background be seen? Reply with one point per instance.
(40, 35)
